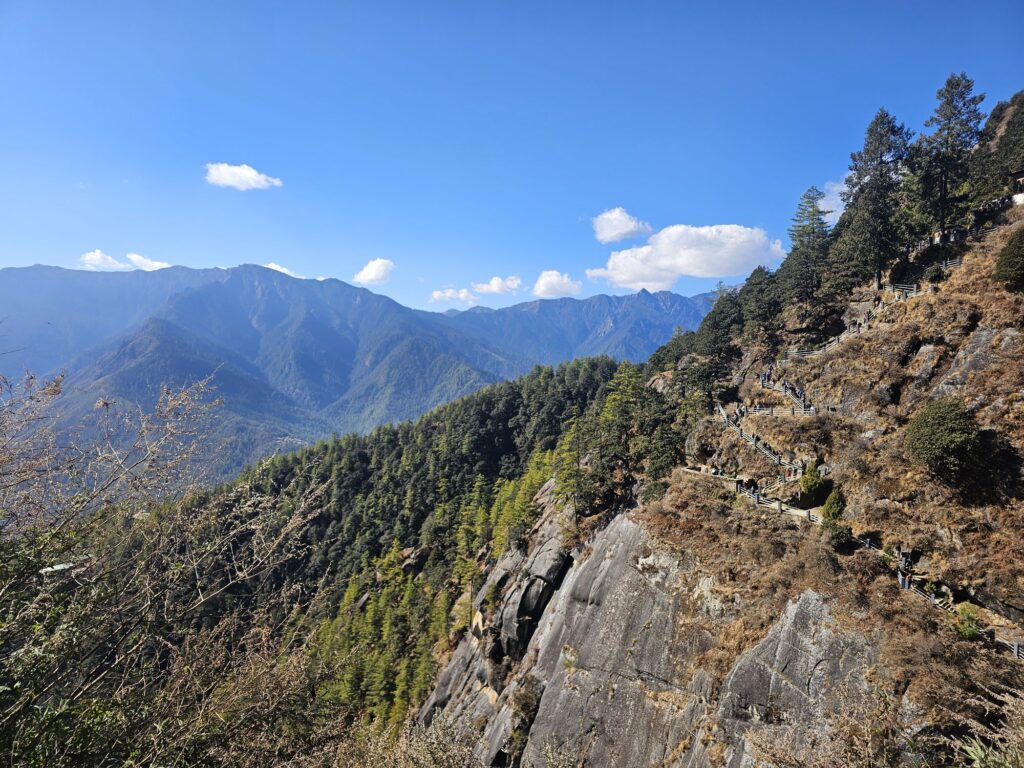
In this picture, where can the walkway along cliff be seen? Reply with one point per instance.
(635, 646)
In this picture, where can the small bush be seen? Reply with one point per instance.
(966, 622)
(839, 536)
(944, 437)
(834, 507)
(525, 703)
(1010, 263)
(934, 274)
(526, 699)
(813, 485)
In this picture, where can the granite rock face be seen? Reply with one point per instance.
(601, 640)
(802, 672)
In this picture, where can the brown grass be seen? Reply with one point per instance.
(759, 561)
(917, 352)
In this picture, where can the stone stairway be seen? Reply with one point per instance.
(757, 442)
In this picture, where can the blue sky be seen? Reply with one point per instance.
(456, 141)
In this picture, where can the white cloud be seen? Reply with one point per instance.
(832, 202)
(282, 269)
(147, 265)
(720, 250)
(375, 272)
(97, 261)
(454, 294)
(616, 224)
(552, 283)
(241, 177)
(496, 285)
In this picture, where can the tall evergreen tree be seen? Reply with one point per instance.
(800, 274)
(870, 238)
(809, 229)
(759, 300)
(957, 127)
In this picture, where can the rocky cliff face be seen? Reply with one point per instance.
(594, 650)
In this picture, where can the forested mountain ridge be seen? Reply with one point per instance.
(296, 360)
(556, 562)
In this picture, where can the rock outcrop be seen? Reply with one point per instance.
(803, 672)
(600, 645)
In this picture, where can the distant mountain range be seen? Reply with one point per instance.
(295, 360)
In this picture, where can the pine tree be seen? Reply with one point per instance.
(809, 228)
(800, 274)
(760, 304)
(871, 235)
(957, 127)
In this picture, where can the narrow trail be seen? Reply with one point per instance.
(905, 576)
(791, 470)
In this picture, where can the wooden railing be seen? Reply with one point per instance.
(756, 441)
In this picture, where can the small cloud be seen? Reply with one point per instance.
(146, 265)
(241, 177)
(496, 285)
(616, 224)
(833, 202)
(553, 283)
(283, 270)
(454, 294)
(98, 261)
(720, 250)
(375, 272)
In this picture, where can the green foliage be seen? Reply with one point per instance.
(799, 277)
(513, 512)
(943, 161)
(491, 598)
(834, 506)
(839, 535)
(809, 229)
(525, 703)
(813, 485)
(1000, 150)
(1010, 264)
(459, 481)
(526, 699)
(870, 238)
(654, 491)
(760, 304)
(934, 274)
(979, 754)
(966, 622)
(944, 437)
